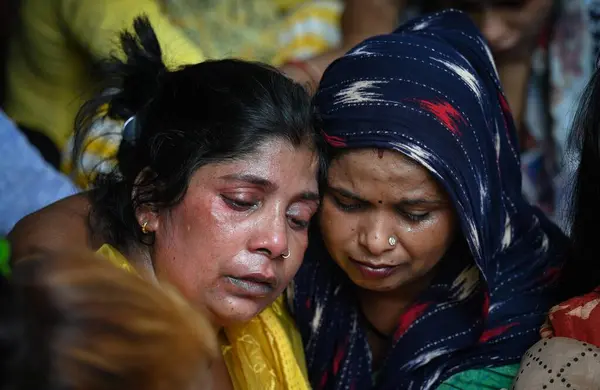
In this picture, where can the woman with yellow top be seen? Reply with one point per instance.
(50, 69)
(217, 181)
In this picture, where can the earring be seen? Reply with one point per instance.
(286, 255)
(144, 227)
(392, 241)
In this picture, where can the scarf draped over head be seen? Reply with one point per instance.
(430, 90)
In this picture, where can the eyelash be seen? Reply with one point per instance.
(346, 207)
(349, 208)
(299, 224)
(415, 217)
(246, 206)
(238, 205)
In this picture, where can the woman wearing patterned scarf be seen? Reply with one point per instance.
(430, 269)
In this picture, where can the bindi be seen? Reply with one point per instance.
(380, 155)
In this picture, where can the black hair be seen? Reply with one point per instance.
(184, 118)
(582, 269)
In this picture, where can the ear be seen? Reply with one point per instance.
(147, 218)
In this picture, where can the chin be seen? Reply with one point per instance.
(377, 286)
(235, 310)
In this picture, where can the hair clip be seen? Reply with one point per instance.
(130, 130)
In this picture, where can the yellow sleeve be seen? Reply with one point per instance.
(116, 258)
(96, 24)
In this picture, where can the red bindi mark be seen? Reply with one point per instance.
(380, 155)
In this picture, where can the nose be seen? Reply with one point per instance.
(375, 235)
(271, 236)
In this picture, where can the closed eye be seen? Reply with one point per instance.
(416, 217)
(239, 205)
(299, 224)
(347, 206)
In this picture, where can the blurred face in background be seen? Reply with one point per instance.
(512, 27)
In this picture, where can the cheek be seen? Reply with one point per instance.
(191, 275)
(337, 227)
(190, 248)
(431, 241)
(206, 229)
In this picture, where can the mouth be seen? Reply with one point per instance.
(374, 271)
(253, 286)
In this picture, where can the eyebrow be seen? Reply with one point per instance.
(347, 194)
(404, 202)
(251, 179)
(310, 196)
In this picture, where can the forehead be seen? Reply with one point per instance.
(388, 171)
(276, 161)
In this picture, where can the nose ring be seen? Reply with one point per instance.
(286, 255)
(392, 241)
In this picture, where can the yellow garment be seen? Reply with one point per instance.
(50, 62)
(265, 353)
(272, 31)
(101, 148)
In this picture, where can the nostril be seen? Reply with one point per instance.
(265, 251)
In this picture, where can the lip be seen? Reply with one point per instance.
(254, 285)
(372, 271)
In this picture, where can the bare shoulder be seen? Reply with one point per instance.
(61, 225)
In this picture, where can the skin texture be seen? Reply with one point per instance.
(393, 197)
(225, 226)
(58, 226)
(236, 220)
(373, 195)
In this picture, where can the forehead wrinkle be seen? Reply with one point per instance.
(400, 181)
(394, 168)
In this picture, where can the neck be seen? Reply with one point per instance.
(383, 308)
(140, 257)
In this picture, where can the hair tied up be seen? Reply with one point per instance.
(132, 81)
(141, 75)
